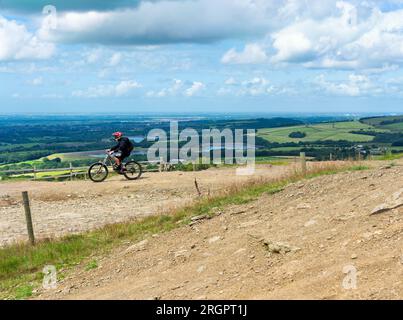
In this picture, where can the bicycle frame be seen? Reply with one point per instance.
(108, 160)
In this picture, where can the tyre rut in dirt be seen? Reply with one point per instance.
(98, 172)
(133, 170)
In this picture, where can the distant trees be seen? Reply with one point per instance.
(398, 143)
(297, 135)
(393, 121)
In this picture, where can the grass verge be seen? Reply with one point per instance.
(21, 264)
(390, 156)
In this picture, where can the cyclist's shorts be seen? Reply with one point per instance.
(121, 155)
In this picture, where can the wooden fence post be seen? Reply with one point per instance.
(161, 167)
(34, 172)
(303, 162)
(71, 172)
(28, 217)
(197, 188)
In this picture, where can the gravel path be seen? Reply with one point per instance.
(60, 208)
(317, 239)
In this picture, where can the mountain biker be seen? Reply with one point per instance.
(121, 150)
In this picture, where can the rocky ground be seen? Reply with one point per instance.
(331, 237)
(60, 208)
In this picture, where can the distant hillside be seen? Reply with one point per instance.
(384, 122)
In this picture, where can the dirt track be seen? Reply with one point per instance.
(313, 230)
(68, 207)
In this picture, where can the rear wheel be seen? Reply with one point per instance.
(133, 170)
(98, 172)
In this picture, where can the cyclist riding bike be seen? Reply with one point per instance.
(121, 150)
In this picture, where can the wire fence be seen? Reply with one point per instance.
(71, 172)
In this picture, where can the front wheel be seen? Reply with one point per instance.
(133, 170)
(98, 172)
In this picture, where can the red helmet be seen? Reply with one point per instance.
(117, 135)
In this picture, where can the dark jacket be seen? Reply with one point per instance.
(124, 145)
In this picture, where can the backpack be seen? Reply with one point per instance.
(131, 145)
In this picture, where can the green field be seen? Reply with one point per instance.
(286, 149)
(29, 163)
(392, 123)
(394, 127)
(319, 132)
(378, 121)
(72, 156)
(65, 157)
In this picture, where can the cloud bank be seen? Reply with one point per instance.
(17, 43)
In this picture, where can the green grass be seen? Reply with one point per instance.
(91, 265)
(21, 264)
(71, 156)
(359, 168)
(286, 149)
(275, 161)
(389, 156)
(30, 163)
(23, 292)
(319, 132)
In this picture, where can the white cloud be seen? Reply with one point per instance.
(173, 90)
(120, 89)
(223, 91)
(256, 86)
(194, 89)
(178, 87)
(125, 87)
(252, 54)
(353, 38)
(115, 59)
(17, 43)
(164, 22)
(328, 34)
(355, 85)
(292, 46)
(36, 81)
(52, 96)
(93, 56)
(231, 81)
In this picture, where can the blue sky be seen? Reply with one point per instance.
(201, 56)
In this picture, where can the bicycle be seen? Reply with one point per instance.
(99, 171)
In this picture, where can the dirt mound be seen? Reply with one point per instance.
(316, 239)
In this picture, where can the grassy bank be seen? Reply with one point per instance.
(21, 265)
